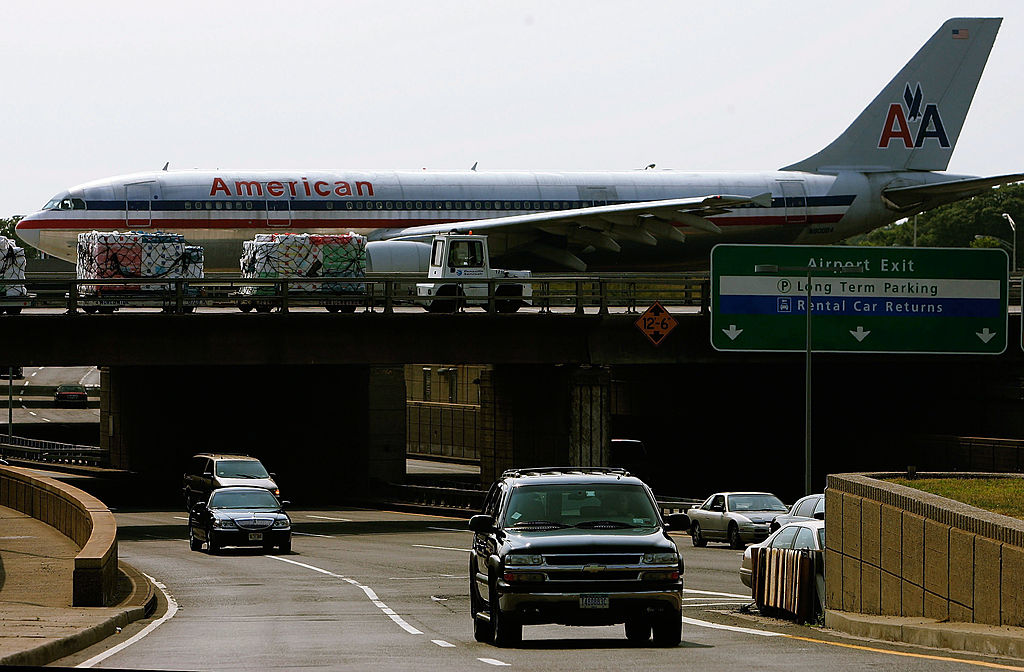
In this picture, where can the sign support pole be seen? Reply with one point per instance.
(807, 396)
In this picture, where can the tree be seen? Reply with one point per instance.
(958, 224)
(7, 230)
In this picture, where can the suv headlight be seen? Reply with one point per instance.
(661, 558)
(282, 523)
(523, 559)
(224, 524)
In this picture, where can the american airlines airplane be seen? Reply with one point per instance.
(885, 166)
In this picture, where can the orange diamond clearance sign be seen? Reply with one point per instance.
(656, 323)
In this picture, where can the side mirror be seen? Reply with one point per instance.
(819, 515)
(481, 524)
(199, 506)
(285, 502)
(677, 522)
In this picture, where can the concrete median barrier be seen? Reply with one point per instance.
(78, 516)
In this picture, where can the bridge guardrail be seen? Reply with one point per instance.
(632, 291)
(39, 450)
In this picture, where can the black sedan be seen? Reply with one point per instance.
(70, 395)
(239, 516)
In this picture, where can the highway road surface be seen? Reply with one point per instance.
(366, 589)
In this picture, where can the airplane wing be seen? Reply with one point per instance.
(928, 196)
(600, 227)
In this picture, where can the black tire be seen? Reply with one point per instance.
(286, 547)
(193, 543)
(13, 310)
(244, 306)
(482, 630)
(696, 536)
(211, 547)
(449, 299)
(346, 309)
(508, 631)
(668, 629)
(638, 630)
(734, 537)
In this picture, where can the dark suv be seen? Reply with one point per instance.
(576, 546)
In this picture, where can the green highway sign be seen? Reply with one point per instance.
(863, 299)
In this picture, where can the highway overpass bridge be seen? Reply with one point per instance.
(322, 396)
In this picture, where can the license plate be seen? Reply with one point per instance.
(255, 536)
(593, 601)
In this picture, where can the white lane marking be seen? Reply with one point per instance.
(172, 608)
(443, 548)
(443, 644)
(47, 420)
(310, 534)
(343, 520)
(448, 529)
(181, 517)
(492, 661)
(402, 623)
(31, 412)
(712, 592)
(731, 628)
(426, 578)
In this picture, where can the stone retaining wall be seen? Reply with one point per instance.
(80, 517)
(898, 551)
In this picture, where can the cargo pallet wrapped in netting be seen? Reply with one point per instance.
(301, 255)
(12, 267)
(134, 254)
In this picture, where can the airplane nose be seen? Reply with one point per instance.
(27, 231)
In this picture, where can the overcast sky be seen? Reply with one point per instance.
(95, 89)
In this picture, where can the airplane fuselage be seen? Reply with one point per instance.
(220, 209)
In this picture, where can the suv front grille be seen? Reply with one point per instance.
(254, 523)
(583, 559)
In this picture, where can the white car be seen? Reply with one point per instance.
(809, 534)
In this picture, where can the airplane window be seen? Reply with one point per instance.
(438, 205)
(248, 205)
(477, 206)
(419, 205)
(188, 205)
(77, 204)
(447, 205)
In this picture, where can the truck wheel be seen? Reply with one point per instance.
(734, 537)
(482, 630)
(696, 536)
(13, 310)
(638, 630)
(507, 630)
(668, 629)
(331, 309)
(346, 309)
(449, 299)
(244, 306)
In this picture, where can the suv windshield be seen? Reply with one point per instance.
(756, 503)
(574, 505)
(250, 499)
(241, 469)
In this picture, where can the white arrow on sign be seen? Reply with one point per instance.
(732, 332)
(860, 334)
(985, 335)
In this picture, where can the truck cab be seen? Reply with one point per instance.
(465, 259)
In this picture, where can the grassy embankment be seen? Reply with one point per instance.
(1000, 495)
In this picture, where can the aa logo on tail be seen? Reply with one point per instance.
(898, 122)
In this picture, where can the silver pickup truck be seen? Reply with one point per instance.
(739, 518)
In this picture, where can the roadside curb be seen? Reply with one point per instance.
(140, 604)
(998, 640)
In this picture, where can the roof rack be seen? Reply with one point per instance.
(542, 471)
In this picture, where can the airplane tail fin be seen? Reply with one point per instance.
(914, 123)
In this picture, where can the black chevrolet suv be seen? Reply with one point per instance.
(576, 546)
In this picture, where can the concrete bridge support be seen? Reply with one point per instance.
(324, 429)
(543, 415)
